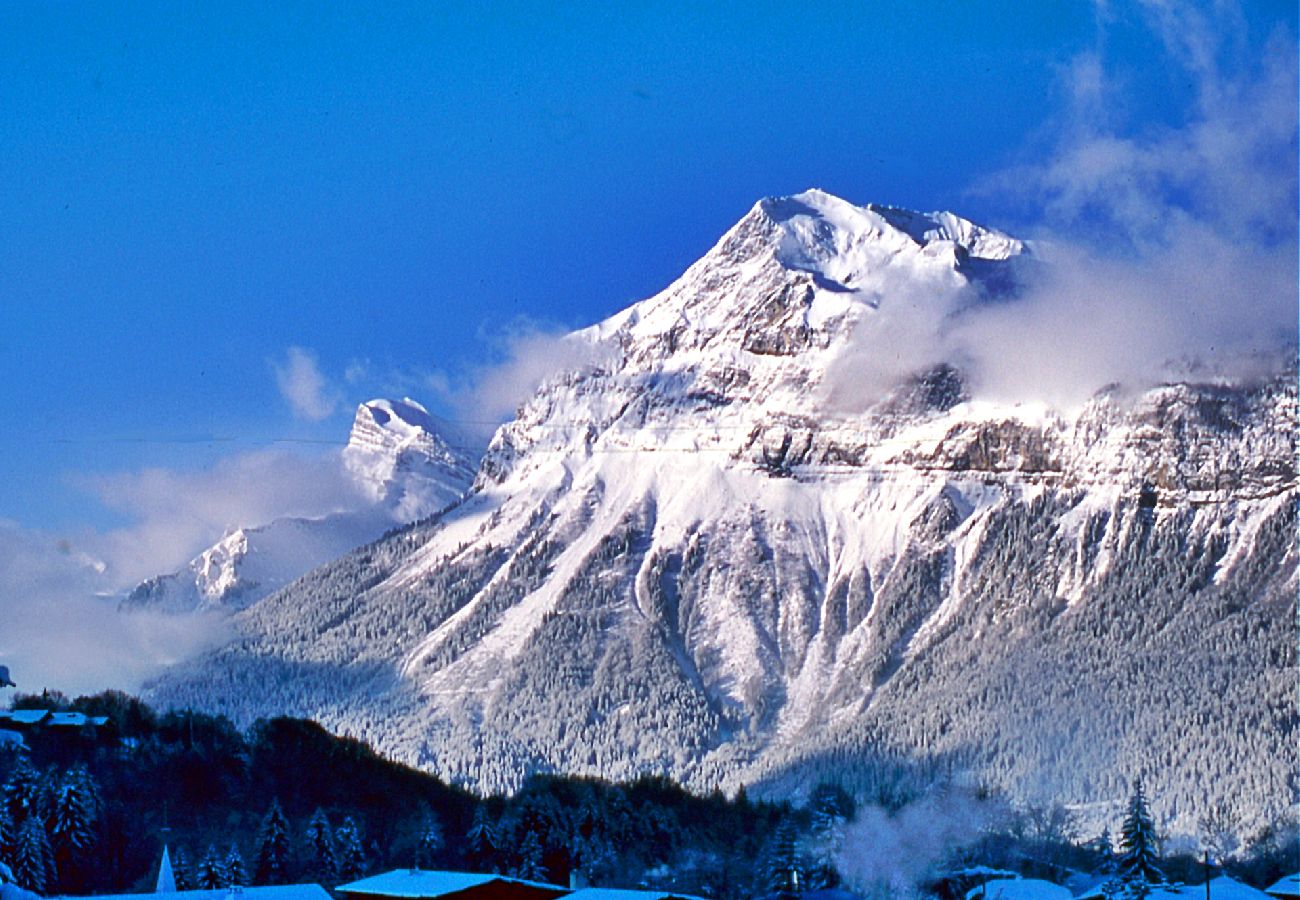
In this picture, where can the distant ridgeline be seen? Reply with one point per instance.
(99, 784)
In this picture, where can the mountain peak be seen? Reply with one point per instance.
(817, 229)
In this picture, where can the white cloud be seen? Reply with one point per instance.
(527, 354)
(1169, 247)
(177, 513)
(61, 632)
(59, 625)
(890, 854)
(308, 393)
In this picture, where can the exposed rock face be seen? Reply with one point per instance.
(690, 559)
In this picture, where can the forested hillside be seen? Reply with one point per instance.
(88, 811)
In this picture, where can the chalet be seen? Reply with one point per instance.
(417, 884)
(1018, 889)
(1221, 888)
(22, 719)
(32, 719)
(1287, 888)
(616, 894)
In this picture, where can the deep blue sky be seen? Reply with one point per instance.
(187, 190)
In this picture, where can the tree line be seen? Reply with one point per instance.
(89, 812)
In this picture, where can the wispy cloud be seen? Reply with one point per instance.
(304, 387)
(61, 631)
(525, 354)
(59, 593)
(891, 854)
(1168, 248)
(177, 513)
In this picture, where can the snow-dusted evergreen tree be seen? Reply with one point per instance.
(351, 855)
(481, 842)
(831, 808)
(1103, 848)
(22, 790)
(322, 866)
(8, 836)
(529, 864)
(211, 873)
(273, 848)
(782, 869)
(1139, 846)
(236, 871)
(181, 870)
(429, 842)
(594, 856)
(34, 861)
(72, 823)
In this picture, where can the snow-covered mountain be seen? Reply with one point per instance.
(404, 470)
(723, 554)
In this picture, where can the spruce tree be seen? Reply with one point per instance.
(1102, 848)
(33, 861)
(351, 856)
(73, 818)
(530, 866)
(22, 790)
(211, 874)
(1138, 845)
(320, 849)
(236, 871)
(481, 843)
(782, 869)
(831, 808)
(429, 842)
(181, 870)
(8, 836)
(273, 848)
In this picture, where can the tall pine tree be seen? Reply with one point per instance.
(22, 790)
(351, 856)
(33, 860)
(236, 871)
(211, 874)
(481, 842)
(782, 868)
(73, 819)
(529, 866)
(181, 870)
(8, 836)
(273, 848)
(321, 864)
(428, 843)
(1139, 847)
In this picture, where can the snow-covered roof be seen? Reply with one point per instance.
(1221, 888)
(266, 892)
(421, 883)
(1288, 886)
(616, 894)
(10, 891)
(71, 719)
(1225, 888)
(26, 716)
(1018, 889)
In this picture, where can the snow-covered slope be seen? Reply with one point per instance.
(696, 558)
(403, 468)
